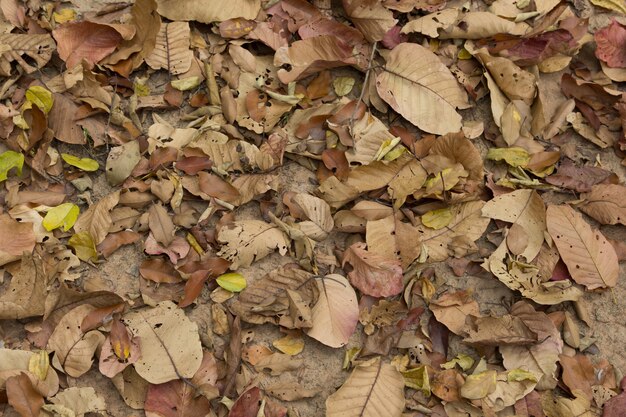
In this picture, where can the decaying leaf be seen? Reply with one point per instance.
(38, 48)
(373, 274)
(246, 241)
(374, 387)
(26, 295)
(97, 218)
(606, 203)
(87, 41)
(207, 11)
(171, 51)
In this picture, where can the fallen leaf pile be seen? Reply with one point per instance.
(270, 208)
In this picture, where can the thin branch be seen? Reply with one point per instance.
(364, 86)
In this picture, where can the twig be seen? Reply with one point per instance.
(364, 86)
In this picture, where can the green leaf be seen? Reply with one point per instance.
(8, 161)
(417, 378)
(232, 282)
(84, 246)
(516, 157)
(86, 164)
(186, 83)
(40, 97)
(464, 361)
(62, 215)
(437, 219)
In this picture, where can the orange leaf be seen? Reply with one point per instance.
(22, 396)
(85, 40)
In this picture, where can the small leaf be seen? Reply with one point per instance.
(64, 215)
(232, 282)
(518, 375)
(417, 378)
(8, 161)
(437, 219)
(464, 361)
(38, 364)
(40, 97)
(85, 164)
(291, 345)
(64, 16)
(343, 85)
(84, 246)
(479, 385)
(516, 157)
(186, 83)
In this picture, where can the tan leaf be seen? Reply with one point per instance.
(371, 18)
(23, 239)
(132, 387)
(277, 363)
(26, 295)
(161, 224)
(72, 348)
(76, 401)
(208, 11)
(38, 48)
(369, 135)
(97, 218)
(121, 161)
(336, 312)
(451, 309)
(524, 208)
(373, 389)
(514, 82)
(290, 391)
(253, 185)
(466, 221)
(215, 186)
(478, 386)
(246, 241)
(422, 89)
(391, 238)
(320, 222)
(170, 344)
(15, 362)
(266, 300)
(373, 274)
(606, 203)
(171, 51)
(590, 258)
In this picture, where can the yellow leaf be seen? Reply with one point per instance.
(194, 244)
(40, 97)
(343, 85)
(19, 121)
(85, 164)
(615, 5)
(64, 215)
(385, 148)
(233, 282)
(38, 364)
(8, 161)
(464, 361)
(519, 375)
(479, 385)
(291, 345)
(417, 378)
(64, 16)
(515, 157)
(437, 219)
(84, 246)
(349, 357)
(464, 54)
(395, 153)
(186, 83)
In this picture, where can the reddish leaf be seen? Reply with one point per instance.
(335, 160)
(114, 241)
(236, 28)
(216, 187)
(175, 399)
(194, 164)
(247, 405)
(172, 96)
(22, 396)
(373, 274)
(100, 316)
(393, 37)
(611, 44)
(578, 374)
(162, 157)
(159, 270)
(85, 40)
(193, 287)
(120, 340)
(579, 179)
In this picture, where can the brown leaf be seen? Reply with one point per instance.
(85, 40)
(171, 51)
(194, 164)
(578, 374)
(370, 17)
(37, 47)
(23, 239)
(335, 160)
(590, 258)
(446, 385)
(452, 308)
(114, 241)
(373, 274)
(161, 224)
(606, 203)
(247, 405)
(22, 396)
(175, 399)
(26, 294)
(216, 187)
(159, 270)
(97, 219)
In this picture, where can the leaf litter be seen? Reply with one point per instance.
(272, 208)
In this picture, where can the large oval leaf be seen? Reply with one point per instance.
(336, 313)
(590, 258)
(422, 89)
(373, 389)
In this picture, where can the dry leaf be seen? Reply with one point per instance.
(27, 291)
(175, 398)
(372, 389)
(606, 203)
(372, 274)
(336, 313)
(38, 49)
(391, 238)
(85, 40)
(422, 89)
(171, 51)
(22, 396)
(246, 241)
(452, 308)
(590, 258)
(23, 240)
(77, 401)
(371, 18)
(161, 224)
(208, 11)
(97, 218)
(524, 208)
